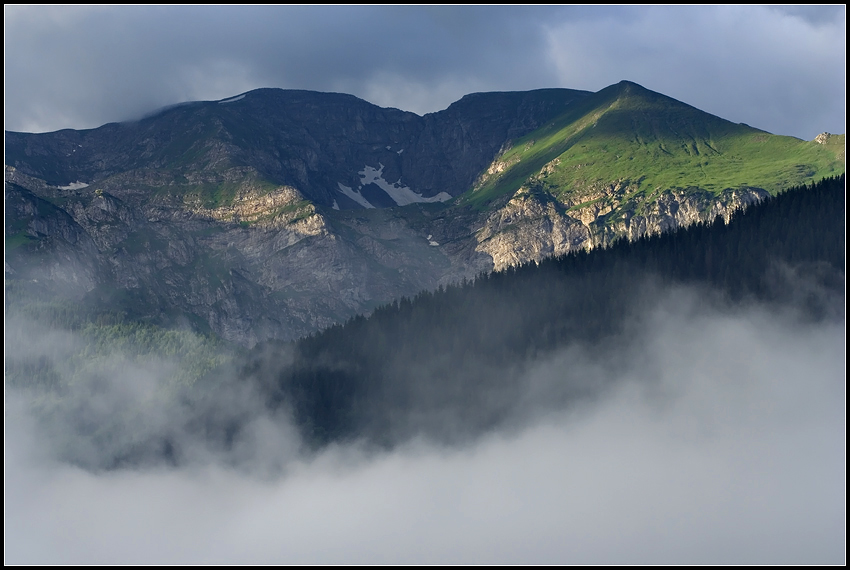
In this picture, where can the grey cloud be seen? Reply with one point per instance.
(778, 69)
(746, 64)
(130, 60)
(722, 441)
(814, 14)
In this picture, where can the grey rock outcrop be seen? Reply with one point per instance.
(533, 225)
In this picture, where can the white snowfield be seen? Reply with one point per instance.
(232, 99)
(354, 195)
(401, 195)
(74, 186)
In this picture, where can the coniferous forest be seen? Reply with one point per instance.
(448, 364)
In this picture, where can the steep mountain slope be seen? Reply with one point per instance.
(628, 161)
(276, 213)
(651, 142)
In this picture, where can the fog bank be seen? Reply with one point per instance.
(723, 442)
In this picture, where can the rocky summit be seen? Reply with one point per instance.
(275, 213)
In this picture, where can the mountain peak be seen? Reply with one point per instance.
(629, 90)
(626, 84)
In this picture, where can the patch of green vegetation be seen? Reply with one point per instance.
(629, 135)
(87, 340)
(302, 212)
(181, 356)
(301, 209)
(218, 195)
(213, 195)
(15, 241)
(293, 207)
(193, 355)
(585, 204)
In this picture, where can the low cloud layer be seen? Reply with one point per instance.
(722, 441)
(781, 69)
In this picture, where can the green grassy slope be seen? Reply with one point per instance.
(650, 142)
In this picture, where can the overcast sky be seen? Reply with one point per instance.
(781, 69)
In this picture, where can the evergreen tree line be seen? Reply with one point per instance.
(447, 362)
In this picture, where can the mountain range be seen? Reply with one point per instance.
(276, 213)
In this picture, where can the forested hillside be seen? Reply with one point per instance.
(446, 364)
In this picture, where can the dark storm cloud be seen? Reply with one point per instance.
(774, 69)
(118, 62)
(780, 69)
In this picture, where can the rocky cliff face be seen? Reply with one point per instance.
(269, 265)
(529, 227)
(58, 249)
(533, 225)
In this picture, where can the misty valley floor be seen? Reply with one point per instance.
(723, 443)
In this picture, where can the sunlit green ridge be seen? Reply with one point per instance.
(649, 142)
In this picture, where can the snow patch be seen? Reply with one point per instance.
(389, 148)
(399, 151)
(401, 195)
(335, 206)
(74, 186)
(354, 195)
(232, 99)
